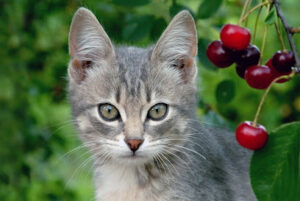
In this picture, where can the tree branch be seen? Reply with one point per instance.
(289, 34)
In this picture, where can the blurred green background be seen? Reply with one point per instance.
(40, 157)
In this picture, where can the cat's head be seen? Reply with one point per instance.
(130, 104)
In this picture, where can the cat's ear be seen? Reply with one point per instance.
(88, 44)
(178, 46)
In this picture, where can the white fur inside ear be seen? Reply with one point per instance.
(87, 39)
(179, 40)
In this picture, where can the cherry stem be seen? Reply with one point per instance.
(252, 10)
(280, 37)
(263, 43)
(243, 12)
(266, 93)
(247, 10)
(289, 35)
(256, 23)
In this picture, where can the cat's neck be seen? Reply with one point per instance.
(126, 183)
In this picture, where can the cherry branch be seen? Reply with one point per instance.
(266, 93)
(289, 34)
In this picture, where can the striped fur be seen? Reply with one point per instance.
(180, 159)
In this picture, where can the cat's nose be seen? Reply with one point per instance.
(134, 144)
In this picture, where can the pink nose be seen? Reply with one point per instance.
(134, 144)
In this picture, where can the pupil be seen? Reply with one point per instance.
(109, 109)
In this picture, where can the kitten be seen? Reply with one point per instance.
(135, 111)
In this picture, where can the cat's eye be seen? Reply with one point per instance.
(158, 112)
(108, 112)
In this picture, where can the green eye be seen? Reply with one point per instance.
(108, 112)
(158, 112)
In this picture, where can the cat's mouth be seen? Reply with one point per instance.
(133, 156)
(132, 160)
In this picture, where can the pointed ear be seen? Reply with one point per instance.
(88, 44)
(178, 46)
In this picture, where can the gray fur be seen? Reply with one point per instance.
(183, 159)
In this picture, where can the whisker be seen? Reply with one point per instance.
(176, 172)
(180, 159)
(75, 149)
(166, 169)
(77, 169)
(187, 155)
(193, 151)
(187, 140)
(57, 124)
(161, 163)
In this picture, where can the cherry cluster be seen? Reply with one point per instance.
(235, 47)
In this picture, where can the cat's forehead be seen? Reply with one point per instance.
(133, 69)
(133, 59)
(133, 79)
(140, 78)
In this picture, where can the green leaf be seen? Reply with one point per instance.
(157, 28)
(270, 19)
(138, 28)
(274, 170)
(176, 8)
(202, 46)
(131, 3)
(208, 8)
(225, 91)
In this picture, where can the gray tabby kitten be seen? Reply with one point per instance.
(135, 111)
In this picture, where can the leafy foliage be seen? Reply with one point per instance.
(131, 2)
(270, 19)
(275, 170)
(225, 91)
(208, 8)
(35, 125)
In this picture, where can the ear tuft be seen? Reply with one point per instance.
(178, 45)
(77, 69)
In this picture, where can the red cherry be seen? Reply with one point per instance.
(275, 73)
(248, 57)
(259, 77)
(219, 55)
(235, 37)
(283, 61)
(251, 137)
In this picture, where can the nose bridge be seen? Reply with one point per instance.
(133, 127)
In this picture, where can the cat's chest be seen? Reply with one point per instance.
(122, 184)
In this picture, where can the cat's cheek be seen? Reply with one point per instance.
(121, 142)
(83, 123)
(182, 125)
(150, 147)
